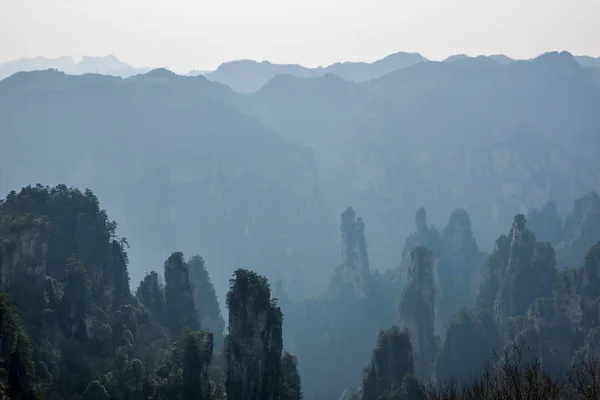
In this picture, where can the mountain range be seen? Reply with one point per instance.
(246, 76)
(259, 179)
(109, 65)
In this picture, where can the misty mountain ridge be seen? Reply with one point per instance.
(397, 200)
(246, 76)
(474, 132)
(108, 65)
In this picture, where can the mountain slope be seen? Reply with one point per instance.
(473, 133)
(178, 167)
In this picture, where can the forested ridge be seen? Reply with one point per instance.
(430, 232)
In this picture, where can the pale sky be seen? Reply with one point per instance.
(184, 35)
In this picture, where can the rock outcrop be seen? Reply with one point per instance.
(254, 343)
(581, 231)
(205, 298)
(77, 227)
(179, 296)
(337, 331)
(417, 310)
(460, 266)
(353, 272)
(425, 236)
(23, 249)
(518, 271)
(562, 326)
(152, 296)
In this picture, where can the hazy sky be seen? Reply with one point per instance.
(184, 35)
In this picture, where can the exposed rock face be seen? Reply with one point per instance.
(426, 236)
(335, 333)
(151, 295)
(581, 231)
(354, 269)
(429, 237)
(417, 310)
(530, 273)
(254, 343)
(179, 295)
(563, 325)
(80, 227)
(519, 270)
(23, 250)
(460, 266)
(209, 313)
(392, 360)
(520, 253)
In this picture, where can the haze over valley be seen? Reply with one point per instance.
(416, 226)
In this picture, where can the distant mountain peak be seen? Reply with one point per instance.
(456, 57)
(557, 60)
(109, 62)
(110, 57)
(402, 54)
(160, 73)
(249, 76)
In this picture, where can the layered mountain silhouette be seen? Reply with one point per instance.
(246, 76)
(109, 65)
(258, 180)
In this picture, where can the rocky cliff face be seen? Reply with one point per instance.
(417, 310)
(179, 295)
(78, 227)
(353, 272)
(563, 326)
(209, 313)
(335, 332)
(429, 237)
(460, 266)
(519, 270)
(581, 231)
(520, 252)
(23, 250)
(67, 271)
(254, 342)
(152, 296)
(424, 235)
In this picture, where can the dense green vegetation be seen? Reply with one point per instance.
(81, 333)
